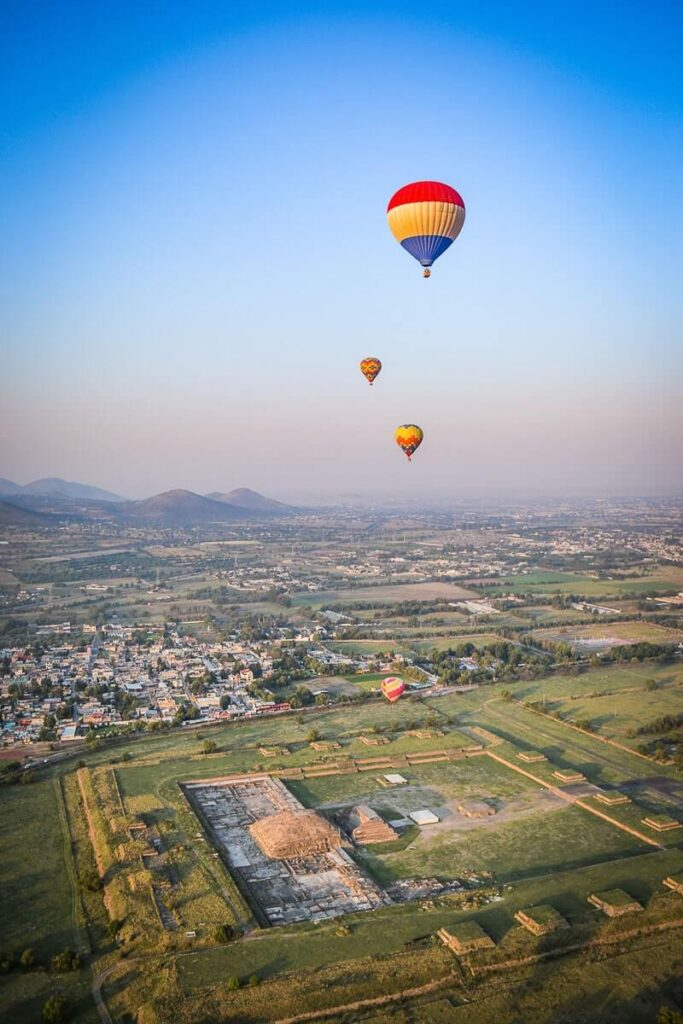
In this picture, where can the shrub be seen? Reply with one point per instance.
(234, 983)
(254, 980)
(208, 747)
(224, 933)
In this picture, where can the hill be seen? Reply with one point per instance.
(243, 497)
(180, 508)
(55, 487)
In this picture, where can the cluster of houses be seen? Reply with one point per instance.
(95, 678)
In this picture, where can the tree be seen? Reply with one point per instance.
(225, 701)
(208, 747)
(68, 960)
(90, 879)
(254, 980)
(667, 1016)
(28, 959)
(650, 685)
(224, 933)
(234, 983)
(312, 735)
(55, 1010)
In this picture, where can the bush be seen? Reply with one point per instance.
(234, 983)
(208, 747)
(254, 980)
(54, 1010)
(69, 960)
(113, 927)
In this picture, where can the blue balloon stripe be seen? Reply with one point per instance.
(426, 248)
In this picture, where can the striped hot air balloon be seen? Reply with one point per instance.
(425, 217)
(392, 687)
(370, 367)
(409, 438)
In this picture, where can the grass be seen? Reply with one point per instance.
(34, 886)
(37, 903)
(622, 632)
(540, 844)
(556, 857)
(666, 579)
(384, 594)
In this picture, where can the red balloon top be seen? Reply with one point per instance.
(424, 192)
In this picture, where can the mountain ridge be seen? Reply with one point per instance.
(56, 487)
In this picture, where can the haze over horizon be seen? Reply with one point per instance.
(196, 254)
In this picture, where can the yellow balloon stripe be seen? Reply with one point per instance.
(428, 218)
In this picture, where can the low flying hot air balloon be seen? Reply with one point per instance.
(370, 367)
(425, 217)
(408, 437)
(392, 687)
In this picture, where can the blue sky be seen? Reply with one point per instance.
(195, 254)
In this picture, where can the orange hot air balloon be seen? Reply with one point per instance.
(392, 687)
(408, 437)
(370, 367)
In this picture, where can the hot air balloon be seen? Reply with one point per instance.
(392, 687)
(408, 437)
(370, 367)
(425, 217)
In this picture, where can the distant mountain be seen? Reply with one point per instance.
(54, 487)
(252, 501)
(14, 515)
(8, 487)
(179, 508)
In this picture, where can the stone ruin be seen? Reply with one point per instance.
(291, 834)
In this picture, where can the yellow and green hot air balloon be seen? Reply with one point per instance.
(409, 438)
(370, 367)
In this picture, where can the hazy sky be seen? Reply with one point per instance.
(195, 254)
